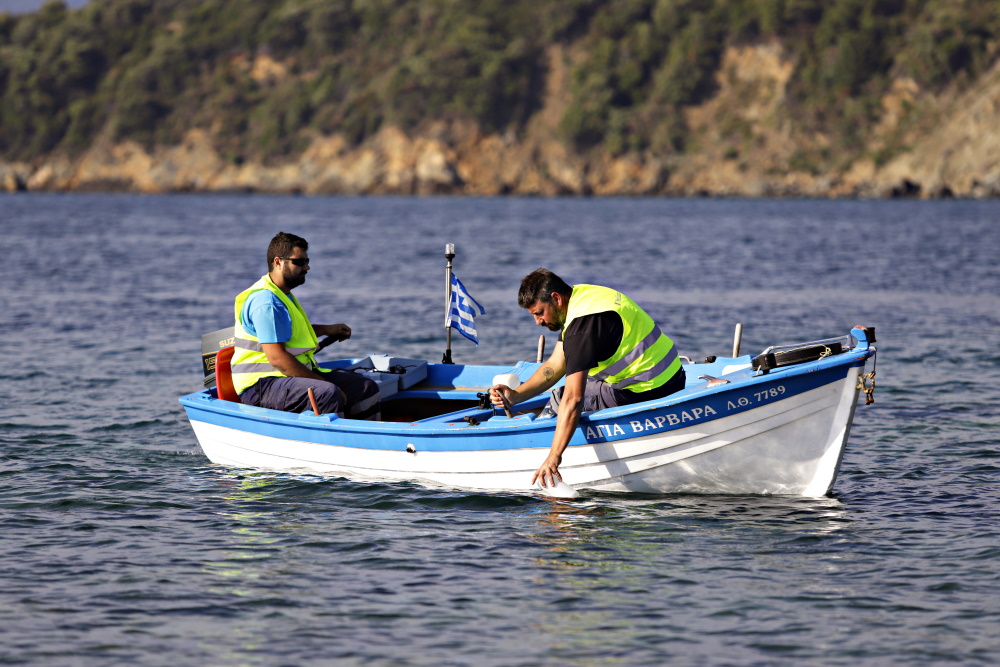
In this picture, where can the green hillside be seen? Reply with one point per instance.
(149, 70)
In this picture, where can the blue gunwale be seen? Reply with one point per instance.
(690, 406)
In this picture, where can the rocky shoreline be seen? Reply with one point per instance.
(395, 164)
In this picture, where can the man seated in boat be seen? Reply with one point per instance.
(610, 351)
(273, 363)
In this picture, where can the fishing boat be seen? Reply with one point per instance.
(774, 423)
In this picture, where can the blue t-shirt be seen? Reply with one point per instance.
(266, 317)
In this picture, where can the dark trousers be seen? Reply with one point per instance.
(344, 393)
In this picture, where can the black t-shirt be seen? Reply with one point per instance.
(590, 339)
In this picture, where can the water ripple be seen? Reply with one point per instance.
(123, 545)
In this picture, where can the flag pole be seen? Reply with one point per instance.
(449, 253)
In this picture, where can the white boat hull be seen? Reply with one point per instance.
(791, 446)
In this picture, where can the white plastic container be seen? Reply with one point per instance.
(508, 379)
(560, 490)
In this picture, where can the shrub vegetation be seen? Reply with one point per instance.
(148, 70)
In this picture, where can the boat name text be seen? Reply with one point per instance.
(651, 424)
(675, 418)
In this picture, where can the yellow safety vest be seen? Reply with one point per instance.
(645, 359)
(249, 362)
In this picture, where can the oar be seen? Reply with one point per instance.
(323, 343)
(506, 403)
(512, 382)
(328, 340)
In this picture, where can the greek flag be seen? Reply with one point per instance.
(462, 310)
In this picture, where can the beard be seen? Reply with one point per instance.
(294, 281)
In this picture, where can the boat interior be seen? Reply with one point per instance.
(415, 391)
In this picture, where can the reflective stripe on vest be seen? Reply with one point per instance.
(645, 358)
(248, 344)
(249, 363)
(633, 356)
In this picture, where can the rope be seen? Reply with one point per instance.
(863, 383)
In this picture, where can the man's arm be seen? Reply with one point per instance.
(541, 380)
(280, 358)
(570, 408)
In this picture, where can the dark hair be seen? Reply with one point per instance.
(282, 245)
(539, 286)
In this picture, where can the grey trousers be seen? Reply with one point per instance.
(598, 395)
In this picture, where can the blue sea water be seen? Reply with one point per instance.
(123, 545)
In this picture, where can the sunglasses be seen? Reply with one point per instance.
(297, 261)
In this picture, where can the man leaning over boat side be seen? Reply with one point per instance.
(610, 351)
(273, 363)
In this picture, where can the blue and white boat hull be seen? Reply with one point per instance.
(783, 432)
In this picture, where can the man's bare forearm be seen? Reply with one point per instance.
(570, 408)
(540, 381)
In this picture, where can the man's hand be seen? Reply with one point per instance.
(548, 472)
(337, 332)
(334, 334)
(495, 392)
(570, 407)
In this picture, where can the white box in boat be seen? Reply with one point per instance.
(407, 372)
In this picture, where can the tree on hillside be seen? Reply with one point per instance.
(263, 78)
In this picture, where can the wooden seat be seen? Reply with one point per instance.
(224, 375)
